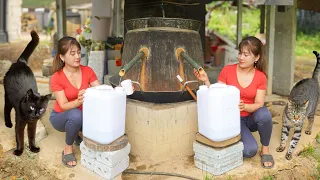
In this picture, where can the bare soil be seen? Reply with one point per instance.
(12, 51)
(25, 167)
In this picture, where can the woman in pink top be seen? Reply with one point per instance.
(249, 76)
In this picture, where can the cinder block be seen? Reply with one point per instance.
(217, 153)
(111, 172)
(218, 160)
(218, 170)
(214, 162)
(89, 163)
(114, 157)
(87, 151)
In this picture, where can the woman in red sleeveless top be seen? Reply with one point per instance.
(68, 84)
(249, 76)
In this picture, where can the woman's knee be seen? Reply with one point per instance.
(250, 150)
(75, 117)
(263, 115)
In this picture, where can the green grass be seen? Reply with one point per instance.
(208, 177)
(36, 3)
(318, 136)
(306, 43)
(224, 21)
(308, 151)
(267, 178)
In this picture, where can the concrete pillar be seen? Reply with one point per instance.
(284, 49)
(270, 45)
(13, 19)
(117, 18)
(3, 31)
(61, 18)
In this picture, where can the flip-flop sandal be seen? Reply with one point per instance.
(68, 158)
(267, 158)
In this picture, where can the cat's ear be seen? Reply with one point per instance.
(306, 102)
(29, 95)
(47, 97)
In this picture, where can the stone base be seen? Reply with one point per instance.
(8, 138)
(160, 132)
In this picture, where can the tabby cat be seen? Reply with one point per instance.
(21, 93)
(302, 104)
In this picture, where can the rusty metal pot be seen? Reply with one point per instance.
(152, 56)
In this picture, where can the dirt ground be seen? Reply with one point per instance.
(30, 167)
(12, 52)
(24, 167)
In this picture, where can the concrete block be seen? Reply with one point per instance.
(217, 153)
(111, 172)
(214, 162)
(87, 162)
(108, 158)
(218, 160)
(87, 151)
(217, 170)
(111, 159)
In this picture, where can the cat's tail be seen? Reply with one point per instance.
(316, 72)
(317, 55)
(30, 47)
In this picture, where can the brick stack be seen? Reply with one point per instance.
(217, 157)
(108, 161)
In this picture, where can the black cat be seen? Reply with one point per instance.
(21, 93)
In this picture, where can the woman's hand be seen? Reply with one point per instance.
(80, 97)
(202, 77)
(242, 105)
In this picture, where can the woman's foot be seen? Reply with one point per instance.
(266, 158)
(68, 150)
